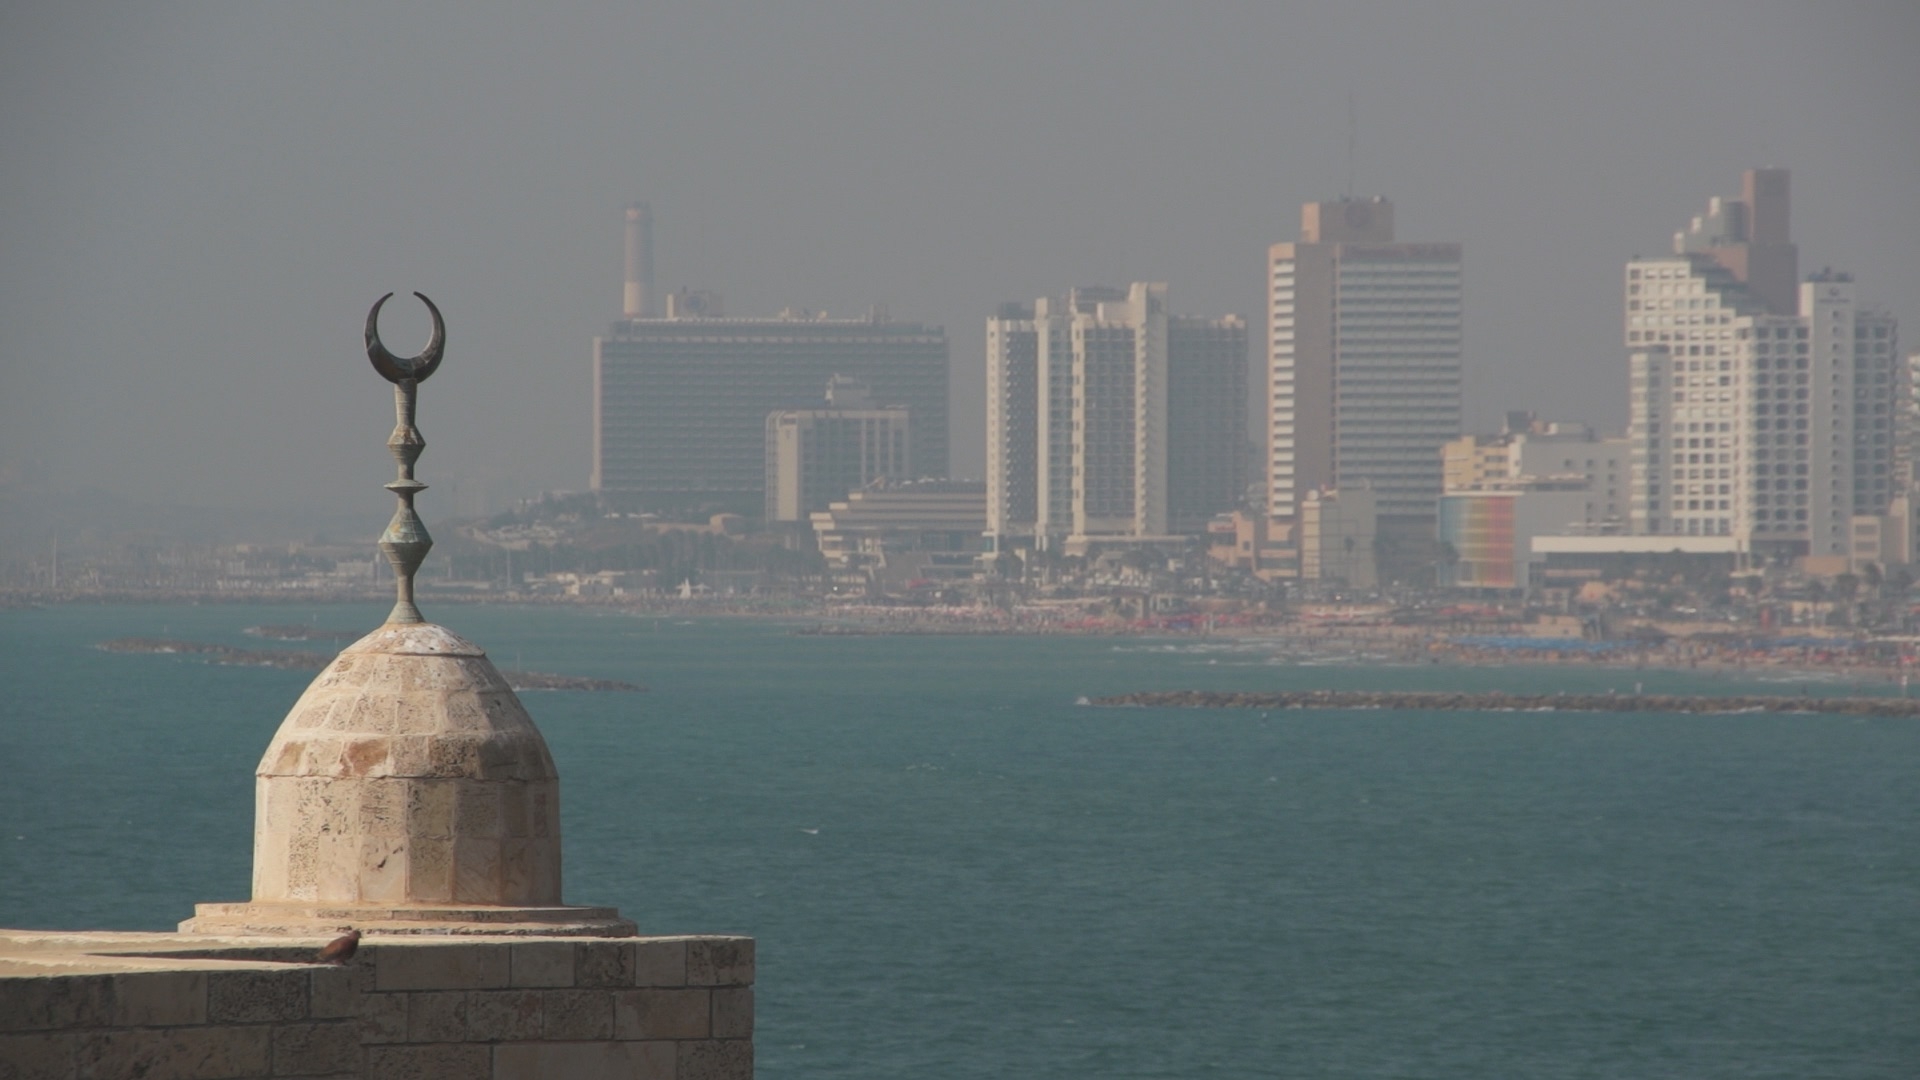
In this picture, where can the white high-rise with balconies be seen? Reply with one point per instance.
(1108, 418)
(1772, 426)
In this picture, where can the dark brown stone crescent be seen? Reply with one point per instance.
(391, 367)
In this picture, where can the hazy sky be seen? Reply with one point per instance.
(198, 202)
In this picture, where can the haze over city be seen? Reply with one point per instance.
(201, 202)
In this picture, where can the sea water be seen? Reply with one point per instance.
(954, 870)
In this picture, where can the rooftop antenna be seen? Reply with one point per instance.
(1352, 126)
(405, 543)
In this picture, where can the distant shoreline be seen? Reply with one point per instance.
(1787, 653)
(1440, 701)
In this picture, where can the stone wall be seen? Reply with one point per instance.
(181, 1007)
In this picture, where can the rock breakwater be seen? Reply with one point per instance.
(1446, 701)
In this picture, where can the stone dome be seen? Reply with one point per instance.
(408, 774)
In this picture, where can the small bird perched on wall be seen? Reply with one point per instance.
(340, 949)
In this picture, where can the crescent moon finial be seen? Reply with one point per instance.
(391, 367)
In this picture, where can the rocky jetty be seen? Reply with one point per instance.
(287, 659)
(302, 633)
(1447, 701)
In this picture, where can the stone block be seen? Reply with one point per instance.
(520, 873)
(383, 808)
(338, 875)
(188, 1053)
(270, 858)
(383, 1018)
(437, 1016)
(577, 1014)
(303, 866)
(325, 808)
(38, 1056)
(720, 961)
(383, 869)
(543, 963)
(663, 1014)
(159, 998)
(504, 1015)
(603, 963)
(455, 754)
(415, 715)
(543, 810)
(430, 869)
(469, 965)
(584, 1061)
(372, 715)
(477, 875)
(409, 755)
(253, 997)
(733, 1012)
(434, 1061)
(315, 1049)
(334, 993)
(476, 810)
(430, 806)
(54, 1002)
(364, 756)
(714, 1059)
(661, 962)
(513, 809)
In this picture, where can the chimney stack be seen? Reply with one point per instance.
(639, 293)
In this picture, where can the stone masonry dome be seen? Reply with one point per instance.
(408, 791)
(408, 773)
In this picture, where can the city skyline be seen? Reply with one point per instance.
(191, 241)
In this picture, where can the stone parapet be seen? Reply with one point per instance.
(192, 1007)
(306, 920)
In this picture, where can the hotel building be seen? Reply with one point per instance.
(1363, 363)
(1109, 418)
(1771, 425)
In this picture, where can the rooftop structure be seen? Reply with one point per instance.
(408, 789)
(407, 797)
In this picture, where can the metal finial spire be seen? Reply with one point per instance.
(405, 542)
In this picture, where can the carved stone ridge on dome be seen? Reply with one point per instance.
(416, 639)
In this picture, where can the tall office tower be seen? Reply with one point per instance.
(1774, 429)
(680, 402)
(1107, 417)
(1363, 363)
(815, 456)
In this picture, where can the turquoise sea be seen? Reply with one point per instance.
(955, 871)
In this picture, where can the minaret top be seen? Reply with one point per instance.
(407, 791)
(405, 542)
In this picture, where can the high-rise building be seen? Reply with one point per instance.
(1774, 428)
(680, 402)
(815, 456)
(1108, 417)
(1363, 363)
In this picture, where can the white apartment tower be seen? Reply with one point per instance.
(1363, 362)
(1772, 427)
(1107, 417)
